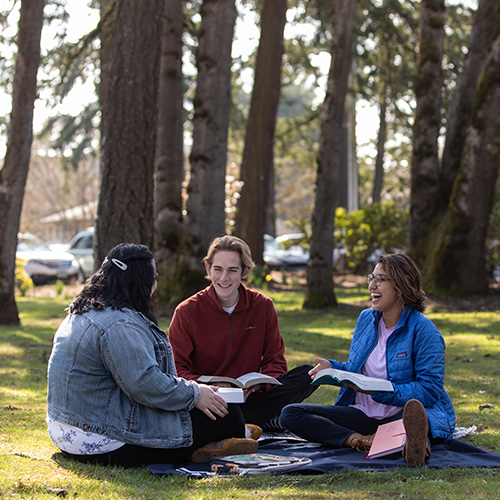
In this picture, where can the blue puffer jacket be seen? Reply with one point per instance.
(415, 366)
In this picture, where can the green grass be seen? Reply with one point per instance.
(30, 467)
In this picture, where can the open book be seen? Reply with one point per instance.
(333, 376)
(261, 463)
(244, 382)
(389, 438)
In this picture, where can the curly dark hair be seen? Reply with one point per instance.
(406, 279)
(125, 279)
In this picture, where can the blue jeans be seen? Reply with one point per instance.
(328, 424)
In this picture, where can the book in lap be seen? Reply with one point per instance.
(332, 376)
(231, 394)
(244, 382)
(389, 438)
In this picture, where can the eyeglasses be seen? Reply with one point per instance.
(376, 278)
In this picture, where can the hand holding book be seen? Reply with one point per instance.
(331, 376)
(321, 364)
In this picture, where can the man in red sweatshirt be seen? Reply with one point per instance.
(229, 330)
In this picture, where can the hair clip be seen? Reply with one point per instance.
(120, 264)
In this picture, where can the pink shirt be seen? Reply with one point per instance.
(376, 366)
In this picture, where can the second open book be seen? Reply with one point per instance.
(333, 376)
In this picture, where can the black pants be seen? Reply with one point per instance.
(260, 408)
(205, 430)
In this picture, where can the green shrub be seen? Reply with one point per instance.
(59, 286)
(259, 277)
(23, 281)
(381, 227)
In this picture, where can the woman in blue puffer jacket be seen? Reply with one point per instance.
(393, 340)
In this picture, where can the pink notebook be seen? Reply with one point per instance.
(389, 438)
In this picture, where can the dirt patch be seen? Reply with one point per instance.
(50, 291)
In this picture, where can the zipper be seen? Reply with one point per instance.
(232, 331)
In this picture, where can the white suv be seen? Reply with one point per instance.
(81, 247)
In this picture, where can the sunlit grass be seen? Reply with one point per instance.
(31, 468)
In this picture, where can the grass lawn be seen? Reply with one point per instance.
(31, 467)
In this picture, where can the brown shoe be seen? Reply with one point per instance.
(232, 446)
(360, 442)
(255, 430)
(416, 427)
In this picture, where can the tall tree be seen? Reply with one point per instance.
(181, 254)
(459, 110)
(107, 9)
(381, 138)
(169, 171)
(258, 155)
(425, 193)
(205, 217)
(16, 165)
(384, 73)
(458, 260)
(320, 288)
(125, 210)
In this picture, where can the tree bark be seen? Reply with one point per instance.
(107, 9)
(258, 156)
(125, 210)
(379, 161)
(17, 158)
(458, 261)
(169, 171)
(205, 217)
(320, 287)
(459, 111)
(425, 193)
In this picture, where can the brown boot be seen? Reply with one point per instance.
(232, 446)
(253, 431)
(360, 442)
(416, 426)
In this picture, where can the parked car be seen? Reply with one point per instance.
(81, 247)
(290, 251)
(43, 264)
(284, 252)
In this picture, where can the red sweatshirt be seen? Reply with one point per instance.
(206, 340)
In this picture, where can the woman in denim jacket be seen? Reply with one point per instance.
(393, 340)
(113, 392)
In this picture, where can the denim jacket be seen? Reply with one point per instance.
(415, 366)
(112, 372)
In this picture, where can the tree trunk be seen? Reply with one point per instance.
(258, 157)
(320, 290)
(17, 158)
(169, 171)
(379, 161)
(458, 114)
(458, 261)
(425, 193)
(107, 9)
(125, 210)
(206, 193)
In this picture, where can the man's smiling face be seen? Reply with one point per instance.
(226, 272)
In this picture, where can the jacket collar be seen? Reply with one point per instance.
(242, 301)
(403, 318)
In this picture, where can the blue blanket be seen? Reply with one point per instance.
(449, 453)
